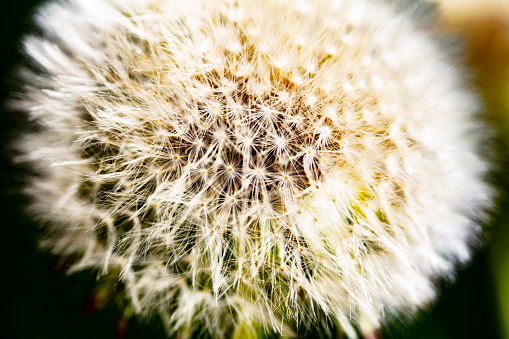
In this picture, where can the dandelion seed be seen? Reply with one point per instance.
(261, 171)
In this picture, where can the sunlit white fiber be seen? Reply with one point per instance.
(265, 164)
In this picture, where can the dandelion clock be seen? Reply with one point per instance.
(243, 168)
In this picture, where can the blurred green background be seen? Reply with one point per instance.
(37, 300)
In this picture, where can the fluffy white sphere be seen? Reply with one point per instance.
(267, 164)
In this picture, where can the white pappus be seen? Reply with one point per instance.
(253, 164)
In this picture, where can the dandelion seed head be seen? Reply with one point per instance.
(238, 164)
